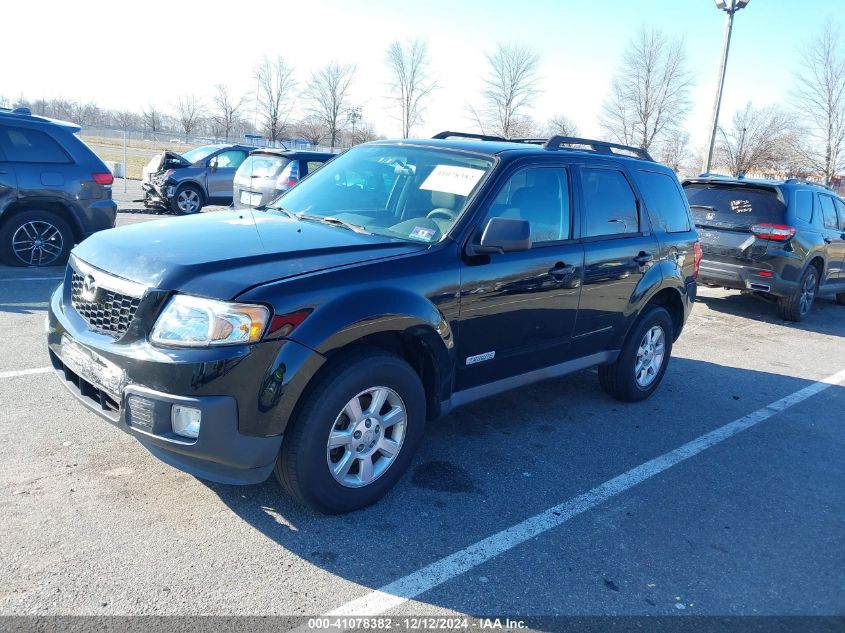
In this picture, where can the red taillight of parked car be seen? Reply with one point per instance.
(290, 182)
(776, 232)
(103, 178)
(696, 258)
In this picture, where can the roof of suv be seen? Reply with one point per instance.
(494, 145)
(754, 182)
(25, 115)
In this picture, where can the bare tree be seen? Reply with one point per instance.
(327, 94)
(410, 82)
(819, 97)
(510, 88)
(561, 125)
(152, 118)
(674, 151)
(189, 112)
(124, 119)
(275, 87)
(759, 140)
(649, 95)
(226, 108)
(311, 128)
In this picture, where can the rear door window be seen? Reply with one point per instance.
(22, 145)
(829, 217)
(734, 207)
(664, 200)
(840, 209)
(610, 207)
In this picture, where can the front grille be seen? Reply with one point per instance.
(109, 312)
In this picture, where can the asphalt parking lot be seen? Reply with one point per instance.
(549, 500)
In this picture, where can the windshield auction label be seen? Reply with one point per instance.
(450, 179)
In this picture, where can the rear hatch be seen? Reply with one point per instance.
(258, 178)
(735, 221)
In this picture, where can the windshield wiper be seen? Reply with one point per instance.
(290, 214)
(333, 222)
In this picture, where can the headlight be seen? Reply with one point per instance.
(188, 321)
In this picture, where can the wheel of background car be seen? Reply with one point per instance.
(355, 432)
(187, 200)
(35, 238)
(643, 359)
(797, 305)
(444, 213)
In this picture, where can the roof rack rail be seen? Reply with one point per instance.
(805, 181)
(601, 147)
(480, 137)
(530, 141)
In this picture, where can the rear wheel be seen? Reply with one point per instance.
(35, 238)
(643, 358)
(187, 201)
(354, 434)
(797, 305)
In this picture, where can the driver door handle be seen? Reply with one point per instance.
(561, 270)
(643, 258)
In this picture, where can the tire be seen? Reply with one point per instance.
(35, 238)
(303, 465)
(187, 200)
(621, 379)
(797, 305)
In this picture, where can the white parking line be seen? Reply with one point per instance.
(25, 372)
(439, 572)
(32, 279)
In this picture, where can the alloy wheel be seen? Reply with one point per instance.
(650, 356)
(808, 294)
(366, 437)
(37, 243)
(188, 201)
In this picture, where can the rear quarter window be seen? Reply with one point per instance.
(734, 206)
(23, 145)
(665, 201)
(804, 205)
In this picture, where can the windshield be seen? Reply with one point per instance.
(410, 193)
(198, 153)
(262, 166)
(732, 206)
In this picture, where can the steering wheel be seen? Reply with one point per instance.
(446, 214)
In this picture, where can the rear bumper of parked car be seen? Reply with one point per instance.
(220, 383)
(756, 276)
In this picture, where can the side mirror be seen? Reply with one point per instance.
(505, 235)
(212, 164)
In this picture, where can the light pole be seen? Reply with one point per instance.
(730, 7)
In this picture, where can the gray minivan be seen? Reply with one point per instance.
(267, 173)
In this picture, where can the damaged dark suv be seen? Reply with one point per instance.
(185, 183)
(395, 283)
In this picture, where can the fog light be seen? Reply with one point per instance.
(185, 420)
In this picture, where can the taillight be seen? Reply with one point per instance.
(696, 259)
(290, 182)
(103, 178)
(777, 232)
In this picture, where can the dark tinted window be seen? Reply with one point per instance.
(609, 203)
(732, 206)
(664, 200)
(828, 213)
(840, 209)
(30, 146)
(541, 196)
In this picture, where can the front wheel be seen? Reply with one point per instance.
(187, 201)
(643, 359)
(797, 305)
(354, 434)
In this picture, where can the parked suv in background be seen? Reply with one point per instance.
(784, 239)
(185, 183)
(268, 173)
(54, 191)
(397, 282)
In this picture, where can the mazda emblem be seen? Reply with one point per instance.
(89, 288)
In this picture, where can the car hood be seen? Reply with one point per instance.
(221, 254)
(165, 160)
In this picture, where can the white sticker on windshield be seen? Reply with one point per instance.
(451, 179)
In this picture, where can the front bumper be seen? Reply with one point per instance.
(743, 277)
(155, 196)
(222, 384)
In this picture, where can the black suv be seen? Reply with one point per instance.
(397, 282)
(54, 191)
(783, 239)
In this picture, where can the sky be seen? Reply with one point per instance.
(127, 55)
